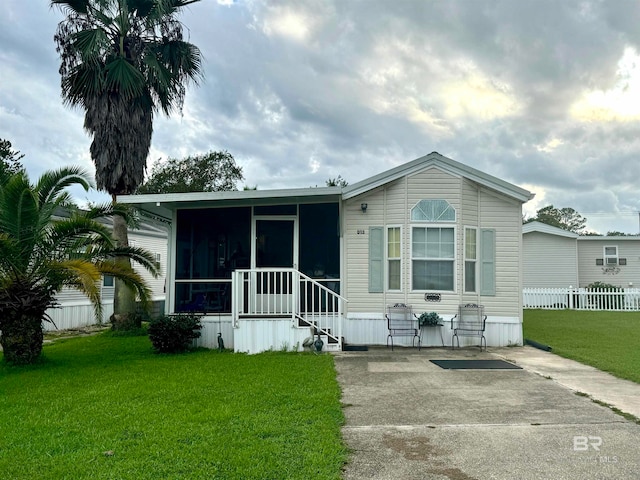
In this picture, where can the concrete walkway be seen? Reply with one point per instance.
(407, 418)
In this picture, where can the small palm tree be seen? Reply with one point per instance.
(40, 254)
(121, 61)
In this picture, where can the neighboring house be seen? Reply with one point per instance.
(265, 265)
(556, 258)
(549, 256)
(75, 309)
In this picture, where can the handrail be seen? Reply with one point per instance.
(287, 292)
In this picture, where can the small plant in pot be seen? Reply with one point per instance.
(430, 319)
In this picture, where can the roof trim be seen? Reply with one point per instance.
(444, 163)
(540, 227)
(230, 195)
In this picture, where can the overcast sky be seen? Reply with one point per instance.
(543, 94)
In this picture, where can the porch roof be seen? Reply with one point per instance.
(162, 205)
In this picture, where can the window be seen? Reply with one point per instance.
(470, 258)
(107, 281)
(433, 211)
(433, 258)
(611, 255)
(393, 258)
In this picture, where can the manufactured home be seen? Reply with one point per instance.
(557, 258)
(270, 268)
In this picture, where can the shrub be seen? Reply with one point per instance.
(174, 333)
(429, 319)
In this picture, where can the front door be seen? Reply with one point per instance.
(275, 247)
(275, 244)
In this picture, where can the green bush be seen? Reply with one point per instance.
(429, 319)
(174, 333)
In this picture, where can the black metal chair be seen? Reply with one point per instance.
(402, 322)
(470, 321)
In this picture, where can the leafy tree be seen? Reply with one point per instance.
(9, 159)
(210, 172)
(615, 233)
(565, 218)
(337, 182)
(122, 61)
(40, 254)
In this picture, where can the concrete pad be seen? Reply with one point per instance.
(408, 418)
(602, 386)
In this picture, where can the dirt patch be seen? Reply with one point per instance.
(53, 335)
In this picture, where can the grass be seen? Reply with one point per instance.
(605, 340)
(107, 407)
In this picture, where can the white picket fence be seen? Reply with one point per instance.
(623, 299)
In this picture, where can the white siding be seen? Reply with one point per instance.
(589, 272)
(505, 216)
(155, 244)
(549, 261)
(355, 232)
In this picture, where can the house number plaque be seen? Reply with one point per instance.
(432, 297)
(360, 232)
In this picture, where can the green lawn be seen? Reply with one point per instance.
(106, 407)
(608, 341)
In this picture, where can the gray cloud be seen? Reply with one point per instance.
(302, 91)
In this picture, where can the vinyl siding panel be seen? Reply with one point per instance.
(475, 206)
(355, 230)
(589, 272)
(549, 261)
(155, 244)
(505, 217)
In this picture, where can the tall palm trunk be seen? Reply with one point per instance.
(124, 301)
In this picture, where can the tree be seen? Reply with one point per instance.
(9, 159)
(615, 233)
(40, 254)
(210, 172)
(565, 218)
(121, 61)
(337, 182)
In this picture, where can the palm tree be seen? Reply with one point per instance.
(39, 255)
(121, 61)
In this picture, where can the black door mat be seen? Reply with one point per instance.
(355, 348)
(475, 365)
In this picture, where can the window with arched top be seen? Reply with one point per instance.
(433, 211)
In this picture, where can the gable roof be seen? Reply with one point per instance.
(444, 163)
(540, 227)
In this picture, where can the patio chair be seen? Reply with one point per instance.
(470, 321)
(402, 322)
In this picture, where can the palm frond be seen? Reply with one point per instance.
(52, 183)
(129, 277)
(72, 6)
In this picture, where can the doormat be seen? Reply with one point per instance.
(475, 365)
(355, 348)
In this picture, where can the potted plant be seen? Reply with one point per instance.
(430, 319)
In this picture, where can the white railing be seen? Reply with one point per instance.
(622, 299)
(287, 292)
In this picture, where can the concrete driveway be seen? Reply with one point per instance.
(407, 418)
